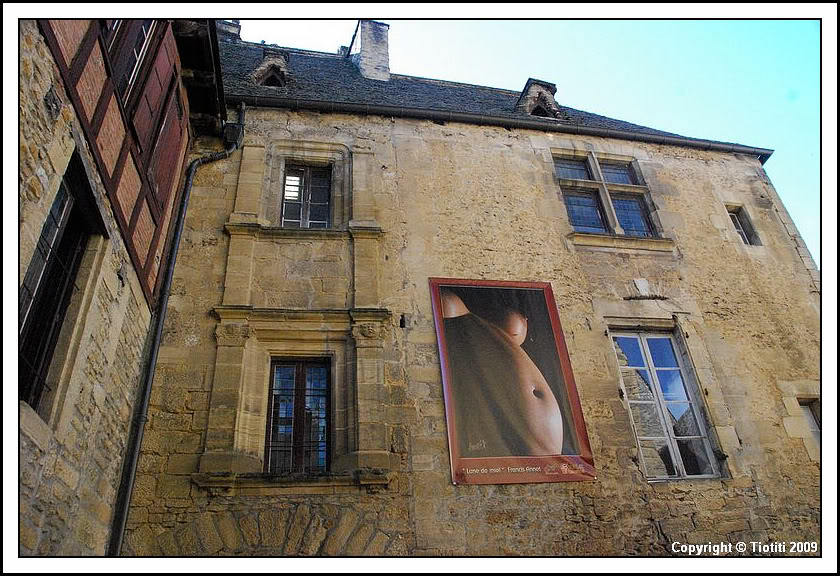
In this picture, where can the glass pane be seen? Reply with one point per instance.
(281, 410)
(682, 419)
(671, 384)
(631, 214)
(662, 352)
(315, 419)
(628, 351)
(320, 194)
(657, 458)
(321, 176)
(294, 181)
(291, 223)
(319, 212)
(284, 378)
(646, 417)
(573, 169)
(585, 213)
(637, 384)
(316, 378)
(617, 173)
(695, 457)
(317, 224)
(738, 227)
(291, 211)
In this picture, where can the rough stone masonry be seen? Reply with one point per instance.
(416, 199)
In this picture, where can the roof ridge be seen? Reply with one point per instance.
(454, 83)
(337, 56)
(288, 48)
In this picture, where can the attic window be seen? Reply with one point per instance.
(273, 76)
(537, 99)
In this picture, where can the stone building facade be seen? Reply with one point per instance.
(103, 140)
(431, 179)
(415, 198)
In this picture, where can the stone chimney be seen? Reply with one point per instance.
(228, 30)
(372, 58)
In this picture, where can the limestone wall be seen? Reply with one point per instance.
(464, 201)
(71, 450)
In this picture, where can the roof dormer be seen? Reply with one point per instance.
(537, 99)
(274, 69)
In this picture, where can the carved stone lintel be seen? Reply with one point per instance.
(233, 334)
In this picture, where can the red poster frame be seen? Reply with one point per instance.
(518, 469)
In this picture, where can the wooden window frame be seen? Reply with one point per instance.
(120, 50)
(298, 419)
(661, 406)
(72, 233)
(305, 195)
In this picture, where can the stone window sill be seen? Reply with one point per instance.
(34, 427)
(368, 480)
(262, 231)
(622, 243)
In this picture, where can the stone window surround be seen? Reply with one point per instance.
(52, 420)
(662, 316)
(247, 341)
(307, 153)
(795, 422)
(615, 239)
(746, 222)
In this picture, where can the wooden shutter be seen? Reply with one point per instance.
(150, 104)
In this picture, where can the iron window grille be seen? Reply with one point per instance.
(665, 411)
(298, 422)
(306, 197)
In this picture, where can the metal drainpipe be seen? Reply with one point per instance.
(140, 417)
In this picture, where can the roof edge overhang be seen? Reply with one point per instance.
(486, 120)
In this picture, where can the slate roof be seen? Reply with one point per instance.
(323, 77)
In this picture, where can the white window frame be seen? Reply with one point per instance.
(662, 409)
(742, 223)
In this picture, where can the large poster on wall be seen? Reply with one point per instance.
(512, 409)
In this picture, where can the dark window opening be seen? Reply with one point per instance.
(541, 112)
(812, 410)
(585, 212)
(274, 77)
(298, 423)
(632, 215)
(46, 292)
(743, 226)
(306, 197)
(128, 45)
